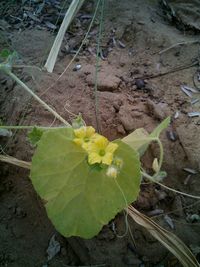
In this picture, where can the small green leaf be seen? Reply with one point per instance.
(4, 54)
(35, 135)
(79, 197)
(12, 58)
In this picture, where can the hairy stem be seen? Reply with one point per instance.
(144, 174)
(24, 127)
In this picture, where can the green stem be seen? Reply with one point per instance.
(125, 210)
(14, 77)
(166, 187)
(26, 66)
(21, 127)
(161, 155)
(97, 67)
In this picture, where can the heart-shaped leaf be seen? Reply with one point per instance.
(81, 198)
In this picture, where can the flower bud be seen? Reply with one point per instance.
(112, 171)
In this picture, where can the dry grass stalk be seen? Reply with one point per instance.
(16, 162)
(71, 12)
(168, 239)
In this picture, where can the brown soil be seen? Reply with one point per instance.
(123, 107)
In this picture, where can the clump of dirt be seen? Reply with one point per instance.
(137, 88)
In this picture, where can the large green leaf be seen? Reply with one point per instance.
(80, 198)
(139, 140)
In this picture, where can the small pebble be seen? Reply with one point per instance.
(77, 67)
(194, 114)
(140, 83)
(176, 115)
(189, 170)
(169, 221)
(155, 212)
(121, 45)
(171, 135)
(187, 179)
(193, 218)
(141, 22)
(194, 101)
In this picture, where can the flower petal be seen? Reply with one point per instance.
(92, 148)
(90, 131)
(111, 147)
(107, 159)
(86, 146)
(78, 141)
(101, 142)
(95, 136)
(80, 133)
(94, 158)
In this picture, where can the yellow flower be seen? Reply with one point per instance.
(101, 150)
(83, 136)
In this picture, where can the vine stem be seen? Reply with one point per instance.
(14, 77)
(97, 66)
(24, 127)
(166, 187)
(125, 210)
(161, 154)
